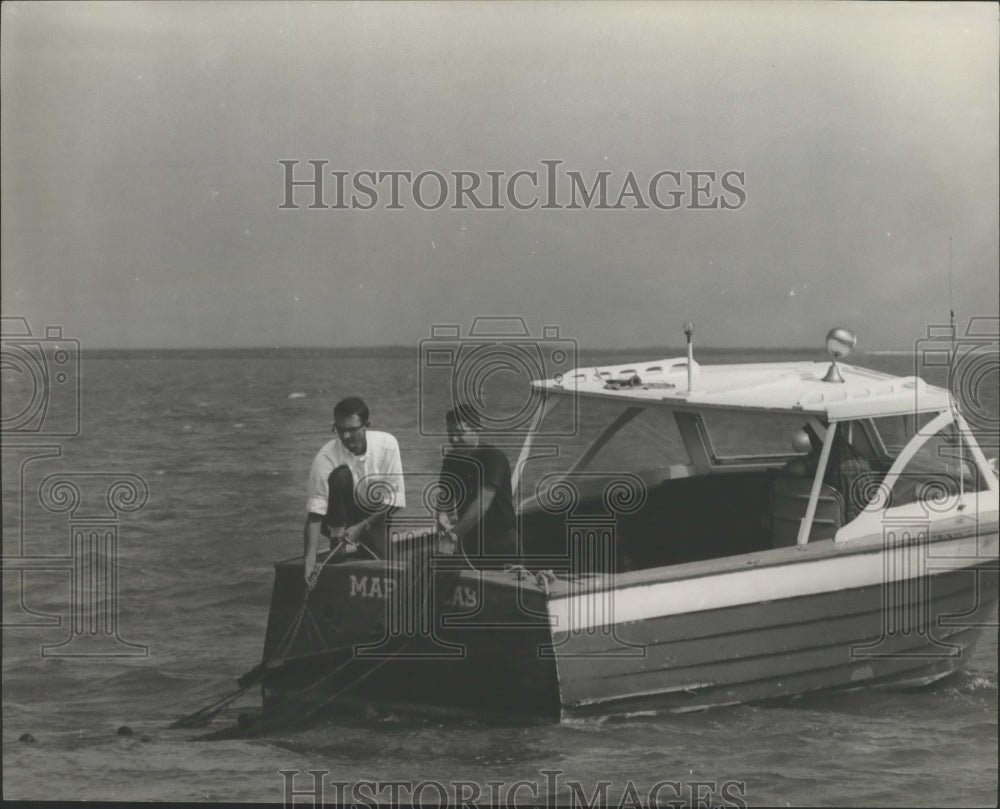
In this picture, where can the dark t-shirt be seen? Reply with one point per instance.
(472, 469)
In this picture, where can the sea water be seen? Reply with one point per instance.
(222, 441)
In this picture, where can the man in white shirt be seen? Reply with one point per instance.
(356, 480)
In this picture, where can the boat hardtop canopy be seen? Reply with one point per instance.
(778, 387)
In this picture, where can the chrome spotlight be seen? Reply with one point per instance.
(839, 343)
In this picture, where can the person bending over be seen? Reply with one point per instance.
(355, 483)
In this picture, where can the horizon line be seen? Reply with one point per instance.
(406, 348)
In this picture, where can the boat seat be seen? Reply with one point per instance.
(789, 501)
(852, 478)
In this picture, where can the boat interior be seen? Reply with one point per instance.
(683, 520)
(740, 503)
(698, 518)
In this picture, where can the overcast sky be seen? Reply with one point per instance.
(141, 179)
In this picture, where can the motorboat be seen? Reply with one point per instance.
(700, 535)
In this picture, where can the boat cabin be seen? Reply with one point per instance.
(666, 462)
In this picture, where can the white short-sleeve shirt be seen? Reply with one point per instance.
(378, 474)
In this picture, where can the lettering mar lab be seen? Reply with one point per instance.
(371, 586)
(314, 186)
(379, 587)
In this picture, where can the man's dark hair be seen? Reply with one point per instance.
(464, 413)
(351, 406)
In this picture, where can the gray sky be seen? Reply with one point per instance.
(141, 183)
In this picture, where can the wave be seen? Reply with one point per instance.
(971, 681)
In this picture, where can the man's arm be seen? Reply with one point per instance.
(317, 502)
(394, 473)
(475, 512)
(310, 543)
(353, 534)
(495, 471)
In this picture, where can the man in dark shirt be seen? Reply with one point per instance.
(479, 475)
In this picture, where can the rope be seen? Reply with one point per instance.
(293, 628)
(458, 542)
(255, 675)
(251, 678)
(292, 632)
(543, 578)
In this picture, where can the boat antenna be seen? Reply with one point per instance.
(951, 302)
(953, 396)
(688, 331)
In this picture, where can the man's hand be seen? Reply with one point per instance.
(310, 545)
(445, 542)
(354, 534)
(310, 571)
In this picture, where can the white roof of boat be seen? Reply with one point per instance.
(769, 386)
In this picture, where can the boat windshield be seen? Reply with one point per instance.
(921, 459)
(892, 460)
(603, 438)
(785, 478)
(892, 433)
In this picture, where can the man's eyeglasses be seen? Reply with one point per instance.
(348, 430)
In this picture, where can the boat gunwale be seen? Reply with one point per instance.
(815, 551)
